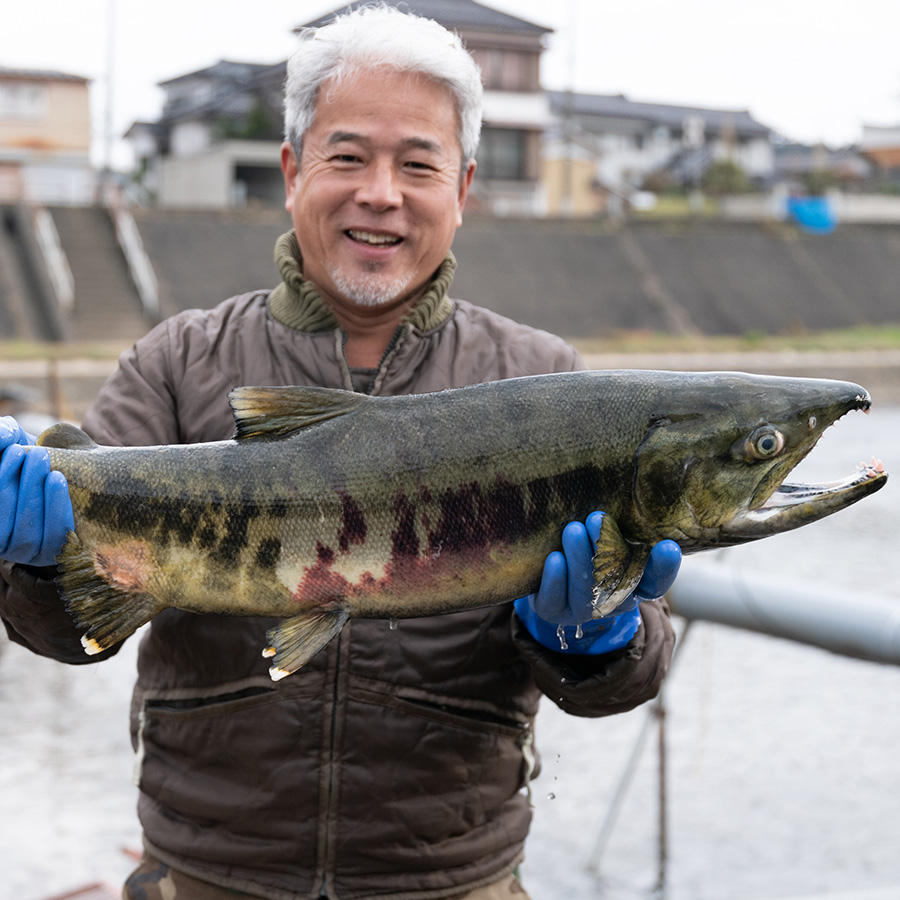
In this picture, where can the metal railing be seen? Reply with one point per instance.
(55, 260)
(813, 616)
(139, 265)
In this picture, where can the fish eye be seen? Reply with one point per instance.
(765, 443)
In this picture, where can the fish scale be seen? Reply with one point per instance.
(329, 504)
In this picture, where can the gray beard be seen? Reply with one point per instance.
(370, 289)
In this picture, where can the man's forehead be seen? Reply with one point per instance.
(411, 142)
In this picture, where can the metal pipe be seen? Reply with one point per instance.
(864, 625)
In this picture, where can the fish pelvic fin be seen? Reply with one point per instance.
(297, 640)
(64, 436)
(109, 613)
(274, 412)
(618, 566)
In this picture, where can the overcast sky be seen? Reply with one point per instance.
(813, 70)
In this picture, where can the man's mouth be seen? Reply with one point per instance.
(373, 239)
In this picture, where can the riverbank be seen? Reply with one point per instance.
(66, 385)
(876, 370)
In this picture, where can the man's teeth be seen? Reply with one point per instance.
(379, 240)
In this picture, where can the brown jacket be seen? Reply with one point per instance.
(393, 765)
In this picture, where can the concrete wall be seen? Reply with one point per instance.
(584, 279)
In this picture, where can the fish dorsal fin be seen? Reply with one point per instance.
(64, 436)
(274, 412)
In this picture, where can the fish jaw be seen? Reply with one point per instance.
(790, 506)
(721, 480)
(779, 506)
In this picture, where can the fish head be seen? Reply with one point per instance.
(712, 468)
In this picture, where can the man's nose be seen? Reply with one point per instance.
(380, 186)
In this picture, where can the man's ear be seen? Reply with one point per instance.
(290, 168)
(464, 184)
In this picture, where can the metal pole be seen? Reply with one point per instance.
(655, 715)
(864, 625)
(659, 710)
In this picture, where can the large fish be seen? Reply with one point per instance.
(329, 504)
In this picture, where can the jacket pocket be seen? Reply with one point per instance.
(462, 716)
(224, 773)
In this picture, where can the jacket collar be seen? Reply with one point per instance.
(297, 304)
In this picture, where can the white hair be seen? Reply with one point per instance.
(381, 36)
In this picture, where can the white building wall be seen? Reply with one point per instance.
(517, 110)
(756, 157)
(189, 138)
(206, 180)
(59, 183)
(203, 181)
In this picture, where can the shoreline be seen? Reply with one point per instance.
(876, 370)
(69, 385)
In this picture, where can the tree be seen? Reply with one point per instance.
(725, 177)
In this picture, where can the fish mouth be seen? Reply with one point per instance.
(782, 506)
(807, 502)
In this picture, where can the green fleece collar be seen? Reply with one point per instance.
(297, 304)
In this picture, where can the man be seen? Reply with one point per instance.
(395, 763)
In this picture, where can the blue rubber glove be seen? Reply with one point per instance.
(35, 509)
(564, 597)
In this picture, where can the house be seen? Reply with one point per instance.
(516, 109)
(45, 137)
(881, 146)
(217, 142)
(804, 168)
(604, 148)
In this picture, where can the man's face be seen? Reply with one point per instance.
(379, 192)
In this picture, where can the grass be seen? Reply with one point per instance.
(863, 338)
(678, 207)
(21, 350)
(885, 337)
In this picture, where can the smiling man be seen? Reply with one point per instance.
(396, 763)
(376, 198)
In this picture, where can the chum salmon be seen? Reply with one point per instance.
(329, 504)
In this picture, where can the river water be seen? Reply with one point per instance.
(782, 780)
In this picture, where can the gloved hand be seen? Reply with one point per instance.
(560, 617)
(35, 509)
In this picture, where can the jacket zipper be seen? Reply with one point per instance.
(332, 747)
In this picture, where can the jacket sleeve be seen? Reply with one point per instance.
(35, 617)
(594, 686)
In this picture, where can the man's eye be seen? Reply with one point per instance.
(344, 158)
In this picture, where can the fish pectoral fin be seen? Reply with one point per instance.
(297, 640)
(618, 566)
(272, 412)
(109, 613)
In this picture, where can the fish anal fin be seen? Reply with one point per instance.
(64, 436)
(618, 566)
(110, 613)
(297, 640)
(273, 412)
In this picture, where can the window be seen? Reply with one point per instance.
(20, 100)
(502, 154)
(507, 70)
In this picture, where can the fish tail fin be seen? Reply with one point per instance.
(109, 614)
(297, 640)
